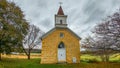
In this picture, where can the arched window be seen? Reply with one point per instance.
(61, 45)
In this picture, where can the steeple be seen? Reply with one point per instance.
(60, 18)
(60, 11)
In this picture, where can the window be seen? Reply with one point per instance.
(60, 21)
(61, 35)
(61, 45)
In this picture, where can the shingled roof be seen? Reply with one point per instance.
(60, 11)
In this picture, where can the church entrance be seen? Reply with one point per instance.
(61, 53)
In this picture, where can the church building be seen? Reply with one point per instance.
(60, 44)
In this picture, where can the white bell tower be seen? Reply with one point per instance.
(60, 18)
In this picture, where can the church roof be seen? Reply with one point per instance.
(49, 32)
(60, 11)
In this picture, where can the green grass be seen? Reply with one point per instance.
(87, 58)
(35, 63)
(85, 63)
(90, 58)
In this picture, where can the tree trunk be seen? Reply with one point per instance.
(107, 58)
(0, 56)
(29, 54)
(102, 58)
(28, 57)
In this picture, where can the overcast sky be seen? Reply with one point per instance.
(82, 14)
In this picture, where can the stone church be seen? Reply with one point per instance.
(60, 44)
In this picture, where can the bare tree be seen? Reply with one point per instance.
(114, 26)
(32, 39)
(98, 47)
(106, 38)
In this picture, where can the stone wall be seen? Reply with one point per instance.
(50, 47)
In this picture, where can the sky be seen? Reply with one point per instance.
(83, 15)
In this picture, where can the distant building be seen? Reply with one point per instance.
(60, 44)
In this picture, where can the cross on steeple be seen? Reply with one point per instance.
(60, 11)
(60, 18)
(60, 3)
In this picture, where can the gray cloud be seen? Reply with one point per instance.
(82, 14)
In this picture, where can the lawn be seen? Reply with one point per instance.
(35, 63)
(88, 57)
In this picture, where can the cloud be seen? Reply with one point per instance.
(82, 14)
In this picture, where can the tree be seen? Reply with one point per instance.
(106, 38)
(13, 26)
(112, 30)
(114, 26)
(32, 39)
(98, 47)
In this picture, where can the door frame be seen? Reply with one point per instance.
(58, 50)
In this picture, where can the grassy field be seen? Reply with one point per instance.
(22, 56)
(35, 63)
(87, 57)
